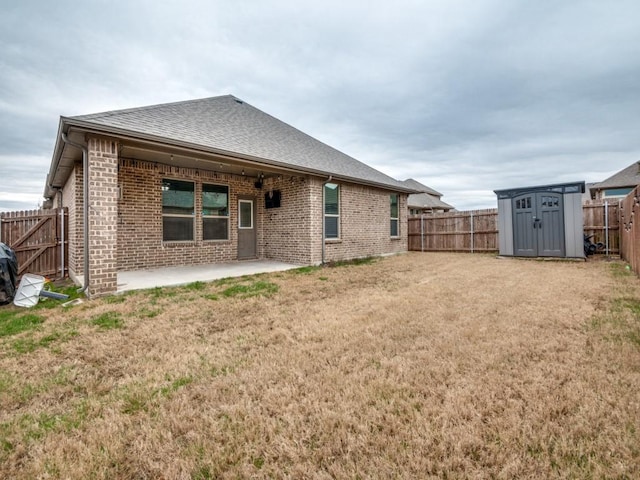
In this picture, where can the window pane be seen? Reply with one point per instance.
(215, 200)
(177, 228)
(246, 214)
(394, 206)
(331, 198)
(177, 197)
(394, 228)
(331, 227)
(215, 228)
(617, 192)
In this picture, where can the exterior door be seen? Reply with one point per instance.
(247, 244)
(550, 225)
(525, 242)
(538, 225)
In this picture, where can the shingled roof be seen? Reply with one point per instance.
(427, 198)
(420, 187)
(627, 177)
(227, 125)
(424, 200)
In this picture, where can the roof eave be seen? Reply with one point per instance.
(49, 189)
(89, 127)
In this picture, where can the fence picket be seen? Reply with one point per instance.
(34, 235)
(630, 229)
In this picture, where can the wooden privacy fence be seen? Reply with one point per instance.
(470, 231)
(602, 220)
(477, 230)
(630, 229)
(39, 239)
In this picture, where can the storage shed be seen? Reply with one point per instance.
(541, 221)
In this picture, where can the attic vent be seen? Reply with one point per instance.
(238, 101)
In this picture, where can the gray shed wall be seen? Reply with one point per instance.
(573, 225)
(505, 227)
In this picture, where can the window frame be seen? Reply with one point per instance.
(326, 215)
(395, 219)
(616, 192)
(251, 203)
(227, 217)
(192, 216)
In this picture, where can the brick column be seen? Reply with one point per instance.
(103, 215)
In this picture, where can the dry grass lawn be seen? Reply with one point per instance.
(414, 366)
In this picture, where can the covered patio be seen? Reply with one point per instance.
(174, 276)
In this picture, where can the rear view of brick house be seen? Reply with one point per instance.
(208, 181)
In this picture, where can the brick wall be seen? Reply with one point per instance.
(291, 233)
(126, 218)
(140, 243)
(103, 214)
(72, 199)
(365, 217)
(289, 230)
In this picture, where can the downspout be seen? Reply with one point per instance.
(62, 236)
(85, 208)
(323, 222)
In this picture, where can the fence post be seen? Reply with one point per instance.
(471, 217)
(422, 232)
(606, 227)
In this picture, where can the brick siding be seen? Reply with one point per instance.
(103, 214)
(289, 230)
(126, 218)
(365, 223)
(72, 199)
(140, 243)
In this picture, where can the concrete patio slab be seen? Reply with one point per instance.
(172, 276)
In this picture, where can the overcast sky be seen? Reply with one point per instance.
(464, 96)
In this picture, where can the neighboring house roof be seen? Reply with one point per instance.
(627, 177)
(428, 198)
(425, 200)
(229, 126)
(416, 185)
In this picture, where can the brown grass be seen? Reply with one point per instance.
(415, 366)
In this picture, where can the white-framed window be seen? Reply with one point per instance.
(616, 192)
(395, 223)
(215, 212)
(178, 210)
(245, 214)
(331, 210)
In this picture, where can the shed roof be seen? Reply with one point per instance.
(229, 126)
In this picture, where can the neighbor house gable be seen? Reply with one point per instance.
(617, 185)
(427, 200)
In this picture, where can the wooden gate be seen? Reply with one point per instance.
(39, 239)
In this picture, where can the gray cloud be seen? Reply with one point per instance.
(466, 96)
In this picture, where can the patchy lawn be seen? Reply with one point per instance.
(415, 366)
